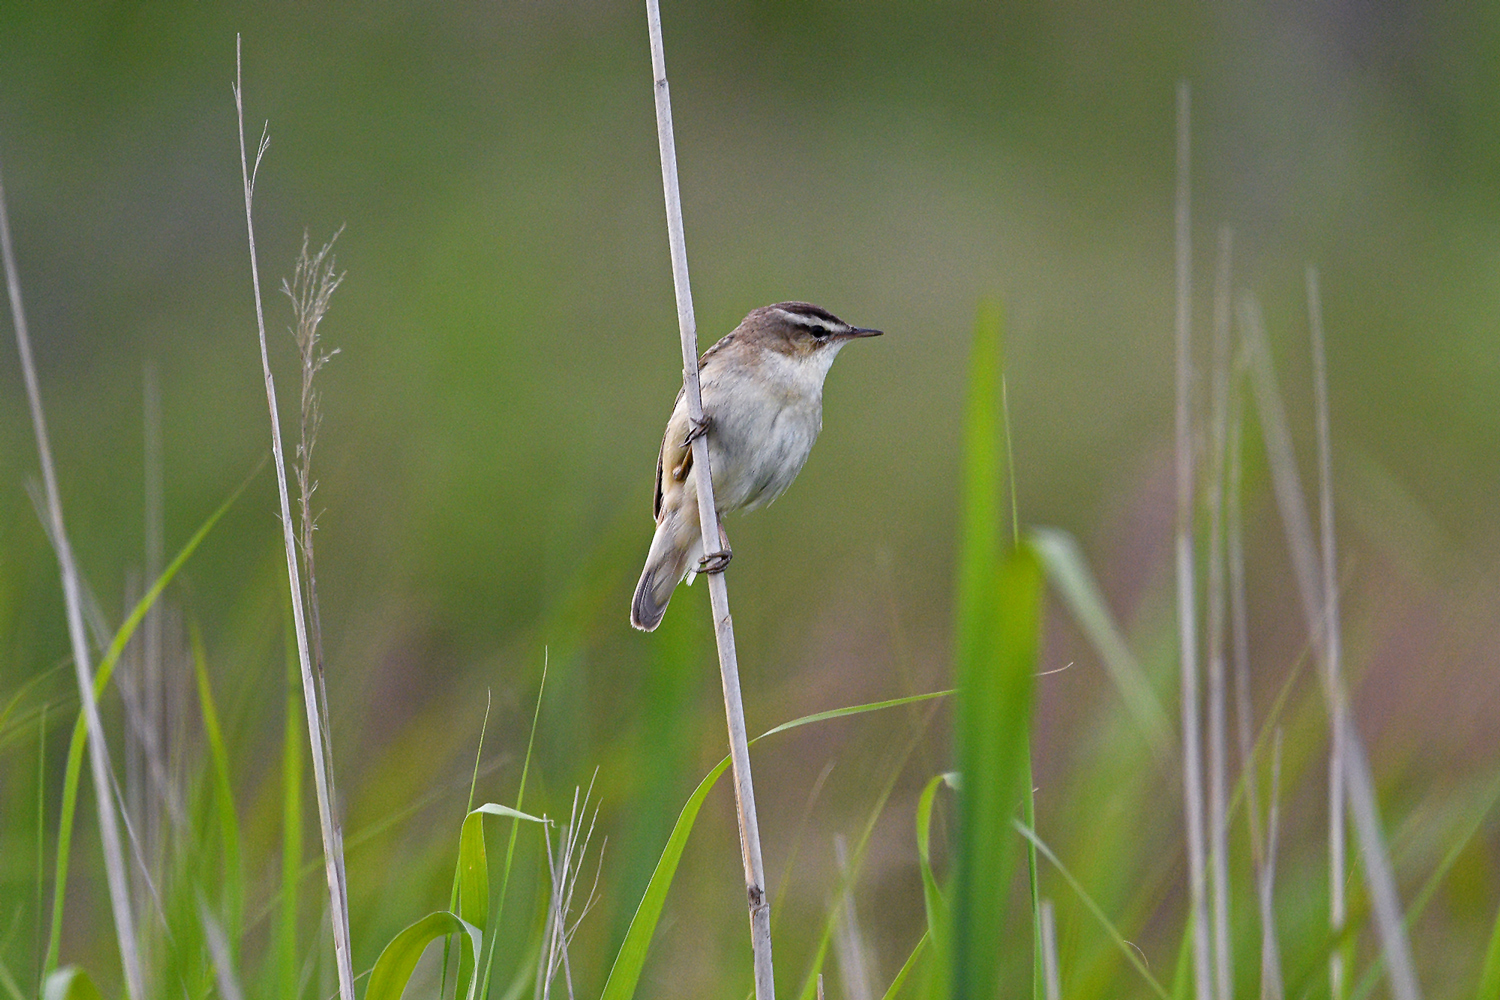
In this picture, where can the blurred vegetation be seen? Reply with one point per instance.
(508, 357)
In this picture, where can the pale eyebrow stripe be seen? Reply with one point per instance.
(810, 320)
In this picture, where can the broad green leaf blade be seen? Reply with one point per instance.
(998, 644)
(631, 958)
(473, 872)
(394, 967)
(70, 983)
(1069, 573)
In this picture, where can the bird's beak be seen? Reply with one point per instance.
(862, 331)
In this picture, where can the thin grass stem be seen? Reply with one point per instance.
(1332, 647)
(332, 852)
(1359, 788)
(109, 832)
(1192, 763)
(1218, 808)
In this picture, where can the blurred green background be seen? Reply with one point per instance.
(508, 356)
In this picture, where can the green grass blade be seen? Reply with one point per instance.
(394, 967)
(631, 958)
(232, 871)
(70, 983)
(1088, 901)
(933, 901)
(292, 742)
(71, 775)
(510, 847)
(840, 713)
(101, 680)
(1489, 979)
(458, 871)
(504, 812)
(997, 611)
(1033, 879)
(997, 665)
(1182, 979)
(899, 982)
(9, 984)
(856, 861)
(474, 866)
(1069, 574)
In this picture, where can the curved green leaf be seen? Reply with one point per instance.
(906, 967)
(70, 983)
(473, 872)
(631, 958)
(394, 967)
(932, 896)
(473, 861)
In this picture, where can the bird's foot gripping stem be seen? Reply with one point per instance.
(715, 562)
(696, 429)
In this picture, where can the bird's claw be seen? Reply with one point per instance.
(696, 429)
(715, 562)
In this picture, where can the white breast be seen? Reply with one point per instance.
(764, 425)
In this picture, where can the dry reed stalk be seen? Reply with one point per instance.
(332, 853)
(1270, 952)
(1218, 799)
(1049, 951)
(718, 592)
(1270, 955)
(1192, 764)
(564, 867)
(109, 831)
(1348, 768)
(848, 943)
(1358, 785)
(1332, 647)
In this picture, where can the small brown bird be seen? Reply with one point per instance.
(762, 388)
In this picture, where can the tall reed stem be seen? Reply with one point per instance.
(333, 861)
(1187, 620)
(718, 592)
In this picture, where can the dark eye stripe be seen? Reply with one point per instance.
(818, 322)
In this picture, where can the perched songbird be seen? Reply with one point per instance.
(762, 388)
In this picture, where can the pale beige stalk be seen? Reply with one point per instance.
(333, 861)
(1187, 622)
(718, 592)
(104, 798)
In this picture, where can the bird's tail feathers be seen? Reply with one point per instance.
(674, 549)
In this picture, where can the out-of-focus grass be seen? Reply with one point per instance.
(504, 377)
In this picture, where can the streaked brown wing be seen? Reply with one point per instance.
(673, 459)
